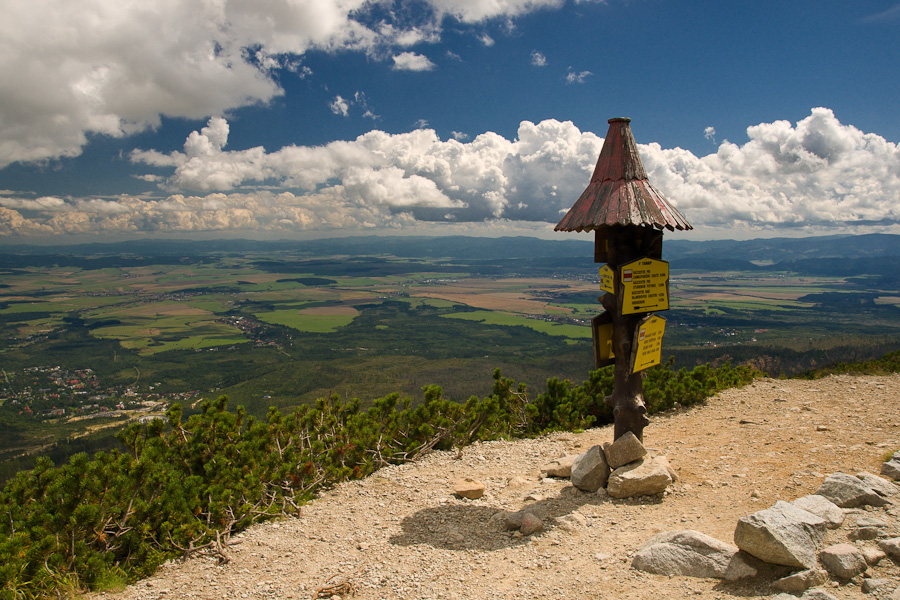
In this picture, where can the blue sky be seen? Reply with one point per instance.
(309, 118)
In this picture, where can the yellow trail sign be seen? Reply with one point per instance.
(645, 286)
(648, 343)
(607, 279)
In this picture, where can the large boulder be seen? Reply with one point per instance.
(624, 450)
(692, 554)
(590, 470)
(640, 478)
(782, 535)
(848, 491)
(821, 507)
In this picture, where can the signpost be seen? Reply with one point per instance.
(627, 215)
(645, 286)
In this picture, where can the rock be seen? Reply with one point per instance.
(844, 561)
(891, 469)
(511, 521)
(891, 547)
(469, 488)
(882, 486)
(692, 554)
(818, 594)
(870, 585)
(848, 491)
(873, 556)
(531, 524)
(821, 507)
(665, 462)
(801, 581)
(639, 478)
(782, 535)
(784, 597)
(572, 522)
(624, 450)
(560, 467)
(590, 471)
(868, 528)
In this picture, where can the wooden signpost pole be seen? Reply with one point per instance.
(627, 215)
(626, 244)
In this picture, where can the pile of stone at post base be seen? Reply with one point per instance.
(623, 468)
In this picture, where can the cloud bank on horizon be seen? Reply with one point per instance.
(71, 72)
(819, 175)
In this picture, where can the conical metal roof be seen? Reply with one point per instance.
(619, 192)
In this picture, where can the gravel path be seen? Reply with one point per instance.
(401, 534)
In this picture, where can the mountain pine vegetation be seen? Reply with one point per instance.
(178, 487)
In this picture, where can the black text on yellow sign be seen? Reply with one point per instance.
(607, 276)
(647, 346)
(645, 286)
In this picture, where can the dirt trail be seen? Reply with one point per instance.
(401, 533)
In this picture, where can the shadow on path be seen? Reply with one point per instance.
(463, 525)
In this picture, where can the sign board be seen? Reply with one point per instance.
(607, 279)
(645, 286)
(647, 343)
(602, 330)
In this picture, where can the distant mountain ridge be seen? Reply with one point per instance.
(716, 254)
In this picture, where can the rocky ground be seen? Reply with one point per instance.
(401, 533)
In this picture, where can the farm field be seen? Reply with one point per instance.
(284, 328)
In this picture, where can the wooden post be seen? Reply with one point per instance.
(625, 244)
(627, 215)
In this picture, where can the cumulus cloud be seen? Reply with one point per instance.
(577, 77)
(816, 175)
(538, 59)
(72, 69)
(710, 134)
(410, 61)
(339, 106)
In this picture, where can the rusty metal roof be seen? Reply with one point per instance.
(619, 192)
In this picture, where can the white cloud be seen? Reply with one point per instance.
(710, 134)
(72, 69)
(410, 61)
(459, 136)
(538, 59)
(486, 40)
(579, 77)
(339, 106)
(474, 11)
(817, 175)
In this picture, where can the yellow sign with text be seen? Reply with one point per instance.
(607, 279)
(648, 343)
(645, 286)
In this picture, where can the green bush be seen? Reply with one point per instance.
(177, 488)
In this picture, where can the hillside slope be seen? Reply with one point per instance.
(401, 533)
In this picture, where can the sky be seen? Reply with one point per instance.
(291, 119)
